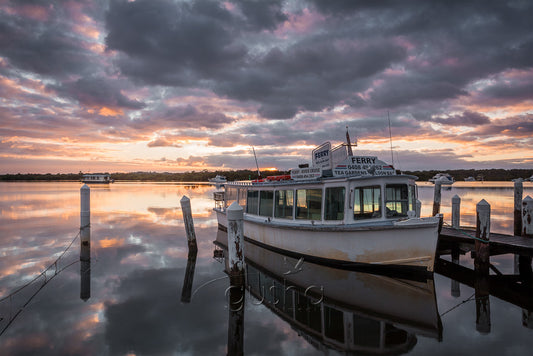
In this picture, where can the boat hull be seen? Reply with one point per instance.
(409, 244)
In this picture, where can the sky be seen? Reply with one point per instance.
(175, 86)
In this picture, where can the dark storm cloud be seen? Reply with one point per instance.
(98, 91)
(441, 46)
(468, 118)
(37, 37)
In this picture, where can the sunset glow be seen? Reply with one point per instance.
(176, 86)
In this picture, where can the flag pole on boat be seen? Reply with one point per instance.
(390, 139)
(257, 165)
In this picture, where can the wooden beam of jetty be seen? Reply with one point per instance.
(498, 243)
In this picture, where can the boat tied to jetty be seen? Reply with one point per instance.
(344, 210)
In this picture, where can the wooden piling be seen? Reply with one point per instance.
(189, 223)
(524, 262)
(527, 217)
(85, 222)
(437, 198)
(456, 289)
(481, 260)
(456, 211)
(189, 276)
(518, 191)
(234, 214)
(481, 267)
(85, 273)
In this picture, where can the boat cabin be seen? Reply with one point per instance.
(344, 200)
(97, 178)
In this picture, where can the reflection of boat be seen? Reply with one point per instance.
(342, 310)
(347, 210)
(443, 178)
(97, 178)
(218, 179)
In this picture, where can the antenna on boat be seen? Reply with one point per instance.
(257, 165)
(348, 143)
(390, 139)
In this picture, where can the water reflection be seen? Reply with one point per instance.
(341, 310)
(139, 259)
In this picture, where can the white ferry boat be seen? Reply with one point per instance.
(346, 211)
(97, 178)
(351, 312)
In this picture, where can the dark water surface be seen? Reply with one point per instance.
(133, 299)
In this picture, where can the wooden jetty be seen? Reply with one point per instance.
(515, 288)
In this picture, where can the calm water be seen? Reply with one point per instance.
(131, 299)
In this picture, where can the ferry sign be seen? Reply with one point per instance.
(322, 156)
(363, 166)
(306, 173)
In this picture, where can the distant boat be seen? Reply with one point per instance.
(470, 179)
(443, 178)
(218, 179)
(97, 178)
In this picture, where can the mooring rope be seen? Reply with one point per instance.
(47, 268)
(469, 299)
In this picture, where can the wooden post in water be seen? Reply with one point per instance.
(455, 288)
(524, 262)
(236, 320)
(85, 222)
(518, 190)
(481, 260)
(85, 272)
(436, 198)
(235, 244)
(189, 223)
(517, 231)
(481, 267)
(189, 276)
(456, 212)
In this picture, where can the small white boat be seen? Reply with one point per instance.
(97, 178)
(218, 179)
(470, 179)
(344, 211)
(443, 178)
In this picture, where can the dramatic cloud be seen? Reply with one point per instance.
(149, 79)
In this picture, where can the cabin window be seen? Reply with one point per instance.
(334, 208)
(412, 197)
(252, 202)
(231, 195)
(242, 197)
(266, 202)
(283, 204)
(309, 204)
(397, 200)
(367, 202)
(334, 324)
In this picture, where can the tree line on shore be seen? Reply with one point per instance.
(204, 175)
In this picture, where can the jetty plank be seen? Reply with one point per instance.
(499, 243)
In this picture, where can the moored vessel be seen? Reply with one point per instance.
(344, 210)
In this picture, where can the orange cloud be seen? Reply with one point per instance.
(111, 242)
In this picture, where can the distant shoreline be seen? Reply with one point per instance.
(203, 176)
